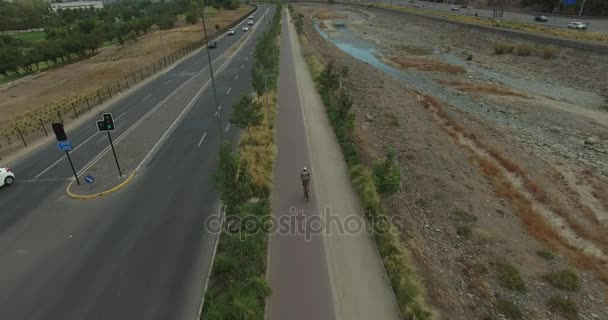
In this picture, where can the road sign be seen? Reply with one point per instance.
(569, 2)
(107, 124)
(89, 179)
(64, 145)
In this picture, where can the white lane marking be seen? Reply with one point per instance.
(147, 96)
(63, 157)
(219, 108)
(42, 180)
(135, 124)
(246, 58)
(169, 81)
(228, 127)
(201, 141)
(120, 115)
(242, 66)
(237, 76)
(228, 92)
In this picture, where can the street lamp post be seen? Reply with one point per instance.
(219, 119)
(163, 48)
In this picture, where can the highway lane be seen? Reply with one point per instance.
(597, 25)
(49, 163)
(141, 253)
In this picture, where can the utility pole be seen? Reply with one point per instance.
(582, 7)
(217, 113)
(163, 47)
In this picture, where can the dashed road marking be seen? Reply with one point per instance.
(228, 92)
(201, 141)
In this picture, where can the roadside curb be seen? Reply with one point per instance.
(99, 194)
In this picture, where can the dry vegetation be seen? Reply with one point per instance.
(424, 64)
(481, 88)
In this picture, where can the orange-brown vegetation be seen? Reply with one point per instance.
(426, 65)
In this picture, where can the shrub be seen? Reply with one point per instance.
(508, 308)
(547, 255)
(549, 52)
(524, 49)
(510, 278)
(565, 280)
(503, 47)
(464, 232)
(564, 306)
(387, 176)
(191, 17)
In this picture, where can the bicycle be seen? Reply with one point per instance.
(306, 195)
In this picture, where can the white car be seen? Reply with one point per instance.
(231, 31)
(245, 29)
(577, 25)
(7, 177)
(455, 8)
(250, 22)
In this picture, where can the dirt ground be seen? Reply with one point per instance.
(495, 174)
(106, 67)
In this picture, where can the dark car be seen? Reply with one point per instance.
(541, 19)
(212, 45)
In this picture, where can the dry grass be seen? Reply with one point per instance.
(524, 49)
(534, 222)
(327, 15)
(550, 52)
(257, 146)
(426, 65)
(40, 96)
(491, 89)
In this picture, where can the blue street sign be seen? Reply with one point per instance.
(64, 145)
(569, 2)
(89, 179)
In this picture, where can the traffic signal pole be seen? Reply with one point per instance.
(114, 152)
(67, 153)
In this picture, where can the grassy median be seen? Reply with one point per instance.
(238, 286)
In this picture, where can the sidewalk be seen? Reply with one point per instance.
(357, 279)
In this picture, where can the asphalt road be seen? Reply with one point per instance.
(596, 25)
(141, 253)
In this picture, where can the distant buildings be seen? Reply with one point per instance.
(67, 4)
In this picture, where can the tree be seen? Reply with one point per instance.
(246, 113)
(192, 17)
(258, 80)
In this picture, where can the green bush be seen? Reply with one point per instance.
(387, 175)
(564, 279)
(563, 306)
(547, 255)
(508, 308)
(510, 278)
(192, 17)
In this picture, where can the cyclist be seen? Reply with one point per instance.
(305, 177)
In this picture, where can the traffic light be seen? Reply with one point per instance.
(107, 124)
(59, 132)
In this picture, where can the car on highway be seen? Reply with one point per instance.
(231, 31)
(212, 45)
(7, 177)
(245, 29)
(541, 19)
(250, 22)
(577, 25)
(455, 8)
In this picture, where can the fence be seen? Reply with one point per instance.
(35, 124)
